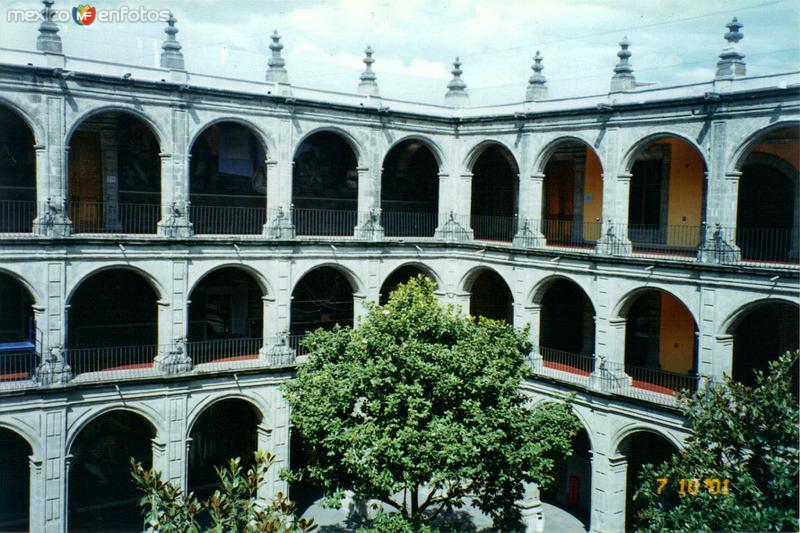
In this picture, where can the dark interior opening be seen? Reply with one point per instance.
(410, 191)
(491, 297)
(16, 486)
(17, 174)
(495, 188)
(399, 276)
(321, 299)
(762, 335)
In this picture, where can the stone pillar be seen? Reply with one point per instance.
(175, 464)
(175, 215)
(609, 479)
(279, 223)
(454, 216)
(614, 233)
(531, 194)
(723, 357)
(36, 507)
(274, 437)
(53, 486)
(722, 200)
(160, 457)
(51, 174)
(275, 349)
(369, 206)
(264, 443)
(534, 312)
(172, 356)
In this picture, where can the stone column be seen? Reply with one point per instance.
(51, 174)
(534, 312)
(609, 480)
(172, 357)
(359, 309)
(454, 216)
(723, 357)
(175, 213)
(279, 223)
(266, 490)
(176, 457)
(52, 490)
(109, 158)
(369, 206)
(274, 438)
(614, 233)
(722, 200)
(275, 349)
(531, 195)
(36, 507)
(160, 457)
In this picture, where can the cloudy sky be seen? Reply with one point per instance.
(673, 41)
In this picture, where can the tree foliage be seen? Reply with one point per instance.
(420, 407)
(747, 435)
(234, 507)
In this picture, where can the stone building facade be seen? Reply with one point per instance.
(627, 229)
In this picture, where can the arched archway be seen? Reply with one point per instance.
(660, 343)
(15, 488)
(410, 190)
(491, 297)
(224, 430)
(768, 211)
(760, 335)
(112, 322)
(666, 204)
(114, 175)
(226, 317)
(572, 206)
(228, 180)
(18, 334)
(571, 489)
(495, 194)
(640, 448)
(17, 173)
(325, 186)
(398, 276)
(322, 298)
(102, 496)
(566, 328)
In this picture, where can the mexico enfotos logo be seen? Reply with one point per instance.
(86, 14)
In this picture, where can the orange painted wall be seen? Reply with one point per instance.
(789, 152)
(676, 336)
(592, 184)
(685, 194)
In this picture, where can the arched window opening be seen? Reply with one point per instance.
(491, 298)
(228, 181)
(761, 336)
(768, 212)
(17, 174)
(15, 489)
(410, 191)
(226, 317)
(225, 430)
(323, 298)
(666, 206)
(640, 449)
(102, 496)
(495, 195)
(566, 328)
(571, 490)
(114, 175)
(399, 276)
(660, 344)
(18, 334)
(573, 196)
(112, 323)
(325, 186)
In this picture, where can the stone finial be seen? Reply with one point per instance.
(731, 61)
(48, 40)
(276, 72)
(368, 84)
(171, 55)
(457, 90)
(623, 78)
(537, 84)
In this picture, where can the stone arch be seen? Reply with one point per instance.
(259, 405)
(468, 279)
(24, 433)
(37, 130)
(155, 127)
(633, 151)
(267, 142)
(553, 145)
(434, 147)
(624, 303)
(15, 471)
(258, 277)
(632, 428)
(540, 288)
(427, 269)
(152, 280)
(744, 149)
(394, 276)
(477, 150)
(84, 418)
(355, 144)
(32, 291)
(733, 319)
(490, 294)
(355, 282)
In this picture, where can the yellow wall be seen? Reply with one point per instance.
(676, 336)
(685, 194)
(789, 152)
(592, 184)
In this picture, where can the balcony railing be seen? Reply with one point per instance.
(489, 228)
(100, 217)
(402, 224)
(224, 350)
(568, 233)
(767, 245)
(324, 222)
(678, 241)
(16, 216)
(134, 360)
(17, 368)
(227, 220)
(295, 343)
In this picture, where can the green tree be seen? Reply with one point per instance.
(420, 407)
(233, 507)
(746, 435)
